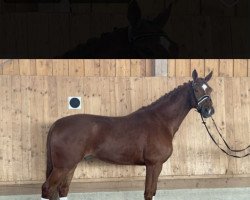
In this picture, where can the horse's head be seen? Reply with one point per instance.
(202, 91)
(147, 37)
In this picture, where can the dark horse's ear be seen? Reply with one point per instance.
(209, 76)
(162, 18)
(134, 13)
(194, 75)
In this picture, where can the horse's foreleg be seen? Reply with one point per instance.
(49, 188)
(152, 174)
(63, 188)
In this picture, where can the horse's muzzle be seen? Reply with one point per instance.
(207, 111)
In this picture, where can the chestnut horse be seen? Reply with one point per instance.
(143, 137)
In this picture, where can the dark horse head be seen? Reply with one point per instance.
(141, 39)
(202, 91)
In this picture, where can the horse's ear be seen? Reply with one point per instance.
(134, 13)
(209, 76)
(163, 17)
(194, 75)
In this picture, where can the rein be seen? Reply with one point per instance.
(224, 141)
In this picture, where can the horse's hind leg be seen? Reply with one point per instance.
(49, 188)
(63, 188)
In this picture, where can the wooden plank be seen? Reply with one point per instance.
(221, 37)
(44, 67)
(122, 67)
(112, 91)
(150, 64)
(123, 102)
(161, 67)
(212, 65)
(183, 67)
(202, 37)
(60, 67)
(2, 96)
(199, 65)
(239, 34)
(171, 68)
(37, 35)
(79, 35)
(1, 66)
(92, 67)
(11, 67)
(107, 67)
(216, 8)
(138, 67)
(176, 29)
(248, 67)
(59, 43)
(183, 7)
(242, 8)
(6, 127)
(76, 67)
(36, 101)
(21, 35)
(16, 110)
(240, 67)
(27, 67)
(241, 122)
(229, 116)
(25, 128)
(226, 68)
(212, 153)
(8, 45)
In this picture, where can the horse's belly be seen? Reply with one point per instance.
(121, 154)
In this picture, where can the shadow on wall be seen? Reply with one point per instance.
(141, 39)
(67, 28)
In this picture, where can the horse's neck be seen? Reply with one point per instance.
(173, 109)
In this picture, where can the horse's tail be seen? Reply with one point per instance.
(49, 159)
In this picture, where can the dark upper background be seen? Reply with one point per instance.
(201, 28)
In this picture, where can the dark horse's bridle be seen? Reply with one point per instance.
(199, 101)
(162, 36)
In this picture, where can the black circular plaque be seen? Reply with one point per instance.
(74, 102)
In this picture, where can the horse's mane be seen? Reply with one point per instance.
(168, 95)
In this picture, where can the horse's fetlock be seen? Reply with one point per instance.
(45, 190)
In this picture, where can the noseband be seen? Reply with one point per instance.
(162, 36)
(199, 100)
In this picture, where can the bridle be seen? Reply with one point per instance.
(163, 37)
(199, 100)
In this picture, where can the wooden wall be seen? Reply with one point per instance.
(220, 67)
(29, 104)
(126, 67)
(78, 67)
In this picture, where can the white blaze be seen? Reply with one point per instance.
(204, 86)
